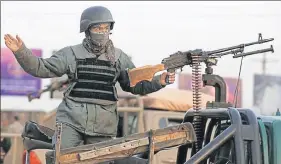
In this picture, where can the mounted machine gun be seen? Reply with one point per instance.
(238, 132)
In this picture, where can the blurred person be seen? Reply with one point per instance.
(270, 100)
(5, 145)
(4, 124)
(278, 112)
(267, 94)
(16, 126)
(88, 110)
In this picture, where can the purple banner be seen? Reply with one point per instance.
(14, 80)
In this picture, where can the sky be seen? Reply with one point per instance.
(151, 31)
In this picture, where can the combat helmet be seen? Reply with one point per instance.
(93, 15)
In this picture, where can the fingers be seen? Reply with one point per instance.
(164, 74)
(171, 80)
(171, 74)
(19, 39)
(8, 41)
(171, 77)
(7, 38)
(11, 37)
(8, 44)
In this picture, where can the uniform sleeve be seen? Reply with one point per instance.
(55, 66)
(143, 87)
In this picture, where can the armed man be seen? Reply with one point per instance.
(88, 110)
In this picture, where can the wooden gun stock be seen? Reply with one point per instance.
(144, 73)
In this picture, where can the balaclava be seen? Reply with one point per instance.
(99, 43)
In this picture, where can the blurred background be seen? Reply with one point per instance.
(148, 32)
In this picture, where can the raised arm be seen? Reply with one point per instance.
(55, 66)
(143, 87)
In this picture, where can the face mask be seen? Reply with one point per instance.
(100, 38)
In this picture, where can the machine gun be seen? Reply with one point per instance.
(238, 132)
(194, 58)
(180, 59)
(59, 85)
(197, 117)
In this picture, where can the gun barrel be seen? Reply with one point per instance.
(239, 46)
(260, 42)
(254, 52)
(235, 51)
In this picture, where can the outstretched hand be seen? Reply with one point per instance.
(171, 78)
(12, 43)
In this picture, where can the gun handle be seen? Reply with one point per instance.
(167, 77)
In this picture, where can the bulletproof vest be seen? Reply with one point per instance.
(95, 78)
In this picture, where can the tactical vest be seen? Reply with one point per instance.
(95, 78)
